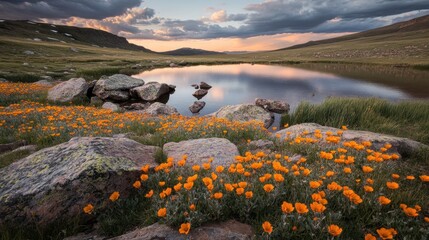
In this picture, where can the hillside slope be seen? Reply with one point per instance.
(189, 52)
(68, 34)
(416, 24)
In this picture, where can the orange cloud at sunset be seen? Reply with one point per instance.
(259, 43)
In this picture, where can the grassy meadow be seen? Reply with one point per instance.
(338, 191)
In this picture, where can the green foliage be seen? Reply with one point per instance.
(408, 119)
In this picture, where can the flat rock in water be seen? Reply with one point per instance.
(274, 106)
(201, 150)
(57, 182)
(403, 146)
(197, 106)
(244, 113)
(204, 85)
(151, 91)
(200, 93)
(71, 90)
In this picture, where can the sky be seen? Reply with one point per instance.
(219, 25)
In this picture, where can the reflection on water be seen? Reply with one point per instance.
(236, 84)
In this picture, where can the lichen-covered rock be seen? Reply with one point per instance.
(151, 91)
(116, 87)
(403, 146)
(158, 108)
(57, 182)
(245, 112)
(201, 150)
(197, 106)
(229, 230)
(274, 106)
(71, 90)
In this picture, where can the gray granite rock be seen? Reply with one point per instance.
(275, 106)
(111, 106)
(151, 91)
(201, 150)
(57, 182)
(245, 112)
(197, 106)
(71, 90)
(158, 108)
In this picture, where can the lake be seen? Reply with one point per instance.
(242, 83)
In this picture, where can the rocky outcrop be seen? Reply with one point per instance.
(116, 87)
(274, 106)
(403, 146)
(151, 91)
(201, 150)
(197, 106)
(229, 230)
(57, 182)
(245, 112)
(72, 90)
(160, 109)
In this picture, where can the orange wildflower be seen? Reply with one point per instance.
(88, 209)
(386, 233)
(149, 194)
(268, 187)
(287, 207)
(334, 230)
(114, 196)
(301, 208)
(249, 194)
(392, 185)
(383, 200)
(137, 184)
(188, 186)
(185, 228)
(218, 195)
(268, 228)
(162, 212)
(317, 207)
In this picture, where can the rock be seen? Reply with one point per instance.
(151, 91)
(245, 112)
(11, 146)
(158, 108)
(25, 64)
(229, 230)
(46, 77)
(112, 106)
(195, 86)
(201, 150)
(83, 236)
(137, 106)
(204, 85)
(173, 65)
(37, 39)
(3, 80)
(172, 87)
(403, 146)
(197, 106)
(44, 83)
(200, 93)
(71, 90)
(73, 49)
(116, 87)
(136, 66)
(28, 52)
(280, 107)
(124, 135)
(261, 144)
(57, 182)
(96, 101)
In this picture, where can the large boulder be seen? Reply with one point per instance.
(244, 113)
(275, 106)
(151, 91)
(55, 183)
(116, 87)
(201, 150)
(403, 146)
(111, 106)
(71, 90)
(158, 108)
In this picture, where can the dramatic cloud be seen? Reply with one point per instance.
(56, 9)
(223, 16)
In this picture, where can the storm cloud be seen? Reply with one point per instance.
(56, 9)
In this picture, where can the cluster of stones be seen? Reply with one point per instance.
(117, 92)
(202, 90)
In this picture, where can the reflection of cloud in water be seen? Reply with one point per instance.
(235, 84)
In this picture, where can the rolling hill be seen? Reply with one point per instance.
(416, 24)
(65, 34)
(189, 52)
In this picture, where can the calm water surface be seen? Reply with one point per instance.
(236, 84)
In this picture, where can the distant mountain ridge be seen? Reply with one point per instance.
(190, 52)
(416, 24)
(50, 32)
